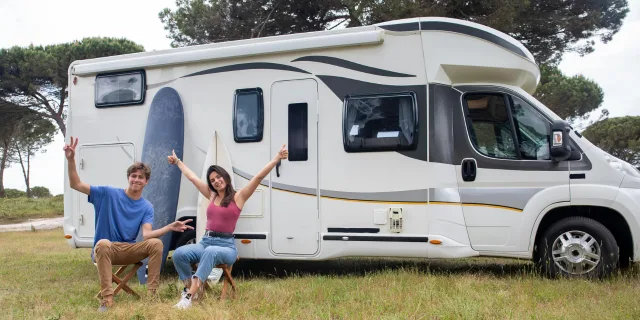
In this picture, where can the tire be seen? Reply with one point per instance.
(583, 247)
(186, 237)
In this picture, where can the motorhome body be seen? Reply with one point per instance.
(412, 138)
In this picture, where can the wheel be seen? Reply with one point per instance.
(187, 237)
(578, 247)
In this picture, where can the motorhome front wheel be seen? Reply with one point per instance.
(578, 247)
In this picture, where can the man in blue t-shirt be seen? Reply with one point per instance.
(120, 213)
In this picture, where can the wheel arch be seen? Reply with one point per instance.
(610, 218)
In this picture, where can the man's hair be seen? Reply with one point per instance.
(139, 166)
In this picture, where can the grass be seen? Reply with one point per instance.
(22, 209)
(41, 277)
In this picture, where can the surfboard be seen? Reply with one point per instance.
(203, 202)
(164, 133)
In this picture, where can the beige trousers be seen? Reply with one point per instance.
(108, 254)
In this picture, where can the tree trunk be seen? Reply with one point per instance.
(61, 125)
(3, 163)
(24, 171)
(28, 174)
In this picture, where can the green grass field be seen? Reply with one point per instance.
(41, 277)
(21, 209)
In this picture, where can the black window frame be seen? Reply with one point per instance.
(260, 95)
(345, 129)
(514, 128)
(143, 93)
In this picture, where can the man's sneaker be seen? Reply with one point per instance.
(185, 301)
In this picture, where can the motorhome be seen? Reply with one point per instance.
(411, 138)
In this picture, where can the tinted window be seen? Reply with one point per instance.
(533, 131)
(380, 123)
(504, 126)
(248, 117)
(489, 125)
(119, 89)
(298, 132)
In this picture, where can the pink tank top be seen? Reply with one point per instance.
(222, 219)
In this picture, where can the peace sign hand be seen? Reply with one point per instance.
(283, 153)
(70, 149)
(173, 159)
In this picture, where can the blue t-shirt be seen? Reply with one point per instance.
(118, 217)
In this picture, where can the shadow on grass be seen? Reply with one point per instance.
(254, 269)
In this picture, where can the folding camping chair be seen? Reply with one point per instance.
(122, 283)
(227, 280)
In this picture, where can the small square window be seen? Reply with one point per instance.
(120, 89)
(248, 115)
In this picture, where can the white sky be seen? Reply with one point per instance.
(613, 66)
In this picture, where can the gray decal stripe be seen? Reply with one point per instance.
(248, 66)
(392, 196)
(353, 66)
(516, 198)
(399, 27)
(474, 32)
(444, 195)
(343, 87)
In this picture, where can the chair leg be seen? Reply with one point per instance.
(228, 280)
(122, 283)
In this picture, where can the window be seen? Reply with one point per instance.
(505, 127)
(248, 115)
(120, 89)
(298, 132)
(380, 122)
(533, 130)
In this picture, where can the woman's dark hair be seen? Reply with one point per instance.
(229, 193)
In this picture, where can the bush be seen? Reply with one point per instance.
(14, 193)
(40, 192)
(59, 197)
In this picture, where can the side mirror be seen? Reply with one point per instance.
(559, 145)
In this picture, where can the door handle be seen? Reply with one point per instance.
(278, 168)
(469, 170)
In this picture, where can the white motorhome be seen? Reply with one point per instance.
(411, 138)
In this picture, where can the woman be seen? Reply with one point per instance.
(217, 245)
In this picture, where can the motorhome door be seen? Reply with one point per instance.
(294, 182)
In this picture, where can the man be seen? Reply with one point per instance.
(119, 215)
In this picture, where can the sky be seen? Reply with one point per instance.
(614, 66)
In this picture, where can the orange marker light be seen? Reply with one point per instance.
(245, 241)
(435, 241)
(67, 236)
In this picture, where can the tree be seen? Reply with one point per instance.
(32, 134)
(571, 98)
(10, 116)
(35, 77)
(548, 28)
(40, 192)
(618, 136)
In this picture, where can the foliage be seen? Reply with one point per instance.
(32, 134)
(20, 208)
(548, 28)
(571, 98)
(14, 193)
(40, 192)
(618, 136)
(35, 77)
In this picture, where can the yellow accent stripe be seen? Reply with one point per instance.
(404, 202)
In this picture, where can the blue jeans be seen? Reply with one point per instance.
(210, 252)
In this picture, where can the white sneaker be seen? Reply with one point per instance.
(216, 274)
(185, 301)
